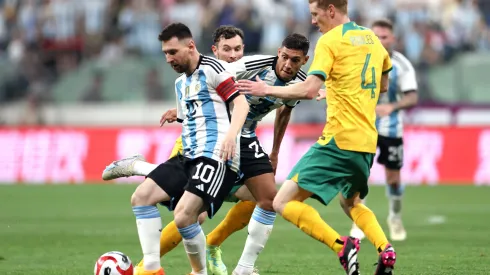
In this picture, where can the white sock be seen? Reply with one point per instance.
(259, 229)
(195, 245)
(395, 194)
(149, 223)
(143, 168)
(395, 203)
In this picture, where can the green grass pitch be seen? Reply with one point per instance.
(64, 229)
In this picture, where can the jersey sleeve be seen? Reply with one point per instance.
(291, 103)
(225, 86)
(408, 79)
(248, 66)
(324, 55)
(387, 66)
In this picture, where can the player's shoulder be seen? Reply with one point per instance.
(212, 65)
(258, 61)
(401, 61)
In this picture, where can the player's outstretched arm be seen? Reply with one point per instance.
(239, 114)
(307, 89)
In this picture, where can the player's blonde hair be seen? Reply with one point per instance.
(341, 5)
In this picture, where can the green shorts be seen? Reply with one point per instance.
(326, 170)
(231, 196)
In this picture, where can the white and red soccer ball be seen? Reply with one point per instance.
(113, 263)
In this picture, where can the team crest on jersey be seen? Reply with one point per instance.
(197, 87)
(187, 91)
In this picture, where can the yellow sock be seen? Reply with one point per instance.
(169, 239)
(236, 219)
(309, 221)
(365, 219)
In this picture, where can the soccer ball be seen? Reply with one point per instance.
(113, 263)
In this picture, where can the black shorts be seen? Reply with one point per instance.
(207, 178)
(254, 161)
(390, 152)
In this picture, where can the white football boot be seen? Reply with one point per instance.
(397, 231)
(121, 168)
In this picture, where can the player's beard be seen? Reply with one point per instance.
(179, 68)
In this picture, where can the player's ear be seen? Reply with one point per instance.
(191, 44)
(279, 52)
(215, 50)
(306, 59)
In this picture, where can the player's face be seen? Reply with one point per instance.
(289, 62)
(229, 50)
(320, 17)
(386, 37)
(177, 53)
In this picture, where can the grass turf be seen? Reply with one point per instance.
(64, 229)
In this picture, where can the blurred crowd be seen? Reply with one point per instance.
(42, 40)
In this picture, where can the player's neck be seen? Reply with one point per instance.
(195, 60)
(342, 19)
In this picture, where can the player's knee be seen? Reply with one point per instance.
(183, 217)
(278, 205)
(267, 200)
(141, 196)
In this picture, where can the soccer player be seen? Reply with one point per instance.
(402, 94)
(257, 169)
(354, 65)
(208, 168)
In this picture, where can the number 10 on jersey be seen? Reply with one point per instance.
(364, 84)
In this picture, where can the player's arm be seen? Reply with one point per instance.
(239, 106)
(283, 115)
(303, 90)
(387, 67)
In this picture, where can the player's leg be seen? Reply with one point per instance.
(211, 182)
(135, 165)
(259, 179)
(355, 189)
(319, 174)
(236, 219)
(395, 188)
(163, 185)
(186, 219)
(365, 219)
(263, 188)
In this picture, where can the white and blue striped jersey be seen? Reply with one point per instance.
(203, 108)
(263, 66)
(402, 79)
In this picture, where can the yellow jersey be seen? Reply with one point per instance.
(351, 59)
(178, 148)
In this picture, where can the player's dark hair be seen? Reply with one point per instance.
(226, 32)
(178, 30)
(297, 41)
(338, 4)
(383, 23)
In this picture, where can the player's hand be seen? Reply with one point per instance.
(384, 109)
(274, 158)
(322, 94)
(228, 147)
(169, 116)
(249, 87)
